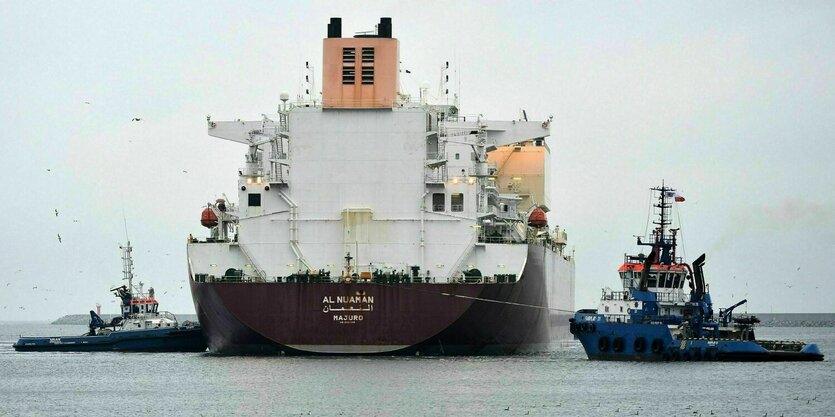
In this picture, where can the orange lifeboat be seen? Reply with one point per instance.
(537, 218)
(208, 218)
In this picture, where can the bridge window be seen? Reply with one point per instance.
(438, 202)
(254, 200)
(457, 202)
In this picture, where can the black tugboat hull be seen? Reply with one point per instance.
(153, 340)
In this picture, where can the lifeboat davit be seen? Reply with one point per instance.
(537, 218)
(208, 218)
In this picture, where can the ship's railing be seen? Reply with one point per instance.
(435, 175)
(358, 103)
(206, 278)
(380, 278)
(670, 297)
(614, 295)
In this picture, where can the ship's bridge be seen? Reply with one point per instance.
(660, 276)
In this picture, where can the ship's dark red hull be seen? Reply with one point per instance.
(369, 318)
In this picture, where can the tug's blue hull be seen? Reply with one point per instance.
(604, 340)
(175, 339)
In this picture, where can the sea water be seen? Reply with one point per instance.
(556, 383)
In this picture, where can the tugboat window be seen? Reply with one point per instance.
(254, 200)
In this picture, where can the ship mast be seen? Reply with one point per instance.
(127, 259)
(663, 245)
(664, 207)
(127, 265)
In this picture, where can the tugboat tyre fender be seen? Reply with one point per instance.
(697, 355)
(603, 344)
(657, 346)
(676, 356)
(618, 344)
(640, 344)
(592, 327)
(665, 356)
(685, 356)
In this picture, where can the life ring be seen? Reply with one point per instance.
(657, 346)
(640, 344)
(603, 344)
(617, 344)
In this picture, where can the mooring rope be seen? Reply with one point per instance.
(488, 300)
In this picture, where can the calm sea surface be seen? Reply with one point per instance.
(560, 382)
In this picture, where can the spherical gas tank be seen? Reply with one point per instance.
(537, 218)
(208, 218)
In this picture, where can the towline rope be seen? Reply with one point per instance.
(488, 300)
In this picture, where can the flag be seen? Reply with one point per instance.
(675, 196)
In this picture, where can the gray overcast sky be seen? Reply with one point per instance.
(730, 102)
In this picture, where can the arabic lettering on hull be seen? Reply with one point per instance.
(349, 309)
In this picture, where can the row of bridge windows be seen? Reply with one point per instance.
(456, 202)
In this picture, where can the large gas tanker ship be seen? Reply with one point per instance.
(373, 222)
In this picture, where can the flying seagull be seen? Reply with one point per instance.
(56, 212)
(86, 102)
(136, 119)
(59, 238)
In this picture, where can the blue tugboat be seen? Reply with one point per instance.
(140, 328)
(655, 319)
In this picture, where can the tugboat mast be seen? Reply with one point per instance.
(127, 265)
(664, 207)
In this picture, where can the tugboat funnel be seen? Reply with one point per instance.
(699, 278)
